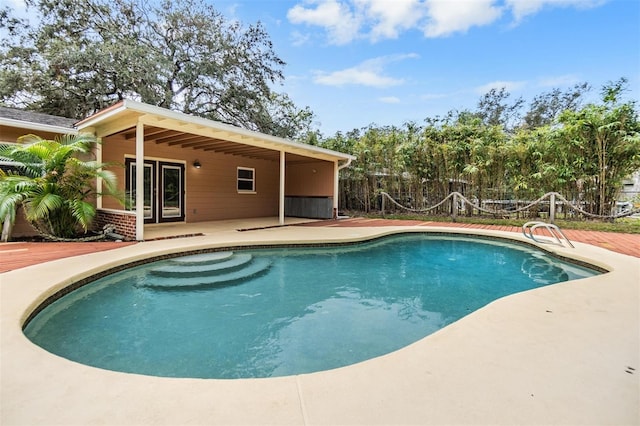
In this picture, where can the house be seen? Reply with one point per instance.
(194, 169)
(15, 123)
(630, 192)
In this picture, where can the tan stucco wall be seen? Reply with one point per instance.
(11, 134)
(211, 190)
(314, 179)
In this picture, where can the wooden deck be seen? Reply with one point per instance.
(22, 254)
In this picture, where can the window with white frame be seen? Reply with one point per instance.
(246, 179)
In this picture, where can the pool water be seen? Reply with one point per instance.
(297, 311)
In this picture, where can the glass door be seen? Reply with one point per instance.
(171, 192)
(148, 188)
(163, 188)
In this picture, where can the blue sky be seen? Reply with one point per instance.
(386, 62)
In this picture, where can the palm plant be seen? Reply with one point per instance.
(53, 183)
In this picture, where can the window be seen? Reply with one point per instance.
(246, 179)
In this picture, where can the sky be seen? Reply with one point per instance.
(388, 62)
(357, 63)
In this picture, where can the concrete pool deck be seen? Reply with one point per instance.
(562, 354)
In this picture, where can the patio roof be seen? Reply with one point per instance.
(163, 126)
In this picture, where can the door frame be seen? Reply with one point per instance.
(157, 167)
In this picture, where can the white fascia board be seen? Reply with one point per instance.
(98, 117)
(29, 125)
(215, 125)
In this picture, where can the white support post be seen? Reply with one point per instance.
(139, 181)
(99, 180)
(336, 176)
(282, 187)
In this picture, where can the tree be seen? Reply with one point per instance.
(607, 141)
(545, 109)
(53, 185)
(182, 55)
(495, 110)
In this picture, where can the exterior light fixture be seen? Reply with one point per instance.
(197, 164)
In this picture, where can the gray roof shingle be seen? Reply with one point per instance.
(36, 117)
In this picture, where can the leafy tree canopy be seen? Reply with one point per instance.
(85, 55)
(545, 109)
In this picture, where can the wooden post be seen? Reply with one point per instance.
(454, 206)
(382, 207)
(552, 207)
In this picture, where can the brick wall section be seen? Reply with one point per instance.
(125, 222)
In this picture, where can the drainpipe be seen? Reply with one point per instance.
(281, 198)
(345, 165)
(336, 172)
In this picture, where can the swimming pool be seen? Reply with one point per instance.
(298, 311)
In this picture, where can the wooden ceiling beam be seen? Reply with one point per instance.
(197, 144)
(180, 139)
(149, 132)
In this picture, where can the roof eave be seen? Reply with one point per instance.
(40, 127)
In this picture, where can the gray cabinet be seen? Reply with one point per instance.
(309, 207)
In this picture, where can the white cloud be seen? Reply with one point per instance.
(509, 86)
(447, 17)
(389, 100)
(356, 76)
(368, 73)
(387, 22)
(522, 8)
(336, 17)
(348, 20)
(299, 39)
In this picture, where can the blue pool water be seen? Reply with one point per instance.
(276, 312)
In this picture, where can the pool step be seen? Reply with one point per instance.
(217, 279)
(230, 263)
(202, 259)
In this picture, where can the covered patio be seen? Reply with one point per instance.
(184, 169)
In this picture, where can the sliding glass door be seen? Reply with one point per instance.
(171, 191)
(163, 188)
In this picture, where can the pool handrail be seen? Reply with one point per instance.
(559, 237)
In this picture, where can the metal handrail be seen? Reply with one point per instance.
(559, 236)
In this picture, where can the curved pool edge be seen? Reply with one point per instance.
(88, 275)
(535, 348)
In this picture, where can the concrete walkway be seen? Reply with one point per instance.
(566, 354)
